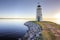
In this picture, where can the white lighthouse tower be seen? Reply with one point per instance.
(39, 13)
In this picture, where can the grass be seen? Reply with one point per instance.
(53, 24)
(46, 33)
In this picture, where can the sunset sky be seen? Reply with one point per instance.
(27, 8)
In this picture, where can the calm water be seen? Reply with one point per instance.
(12, 27)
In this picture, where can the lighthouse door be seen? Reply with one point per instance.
(38, 19)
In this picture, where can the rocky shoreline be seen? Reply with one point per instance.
(34, 31)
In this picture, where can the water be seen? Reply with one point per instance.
(12, 27)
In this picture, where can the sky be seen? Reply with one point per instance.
(27, 8)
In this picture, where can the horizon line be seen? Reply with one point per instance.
(20, 18)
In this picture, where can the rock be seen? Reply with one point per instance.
(33, 32)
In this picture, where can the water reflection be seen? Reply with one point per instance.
(12, 27)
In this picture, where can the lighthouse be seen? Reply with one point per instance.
(39, 13)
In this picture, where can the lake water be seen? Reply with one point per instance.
(12, 27)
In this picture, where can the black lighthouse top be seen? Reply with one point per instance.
(38, 6)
